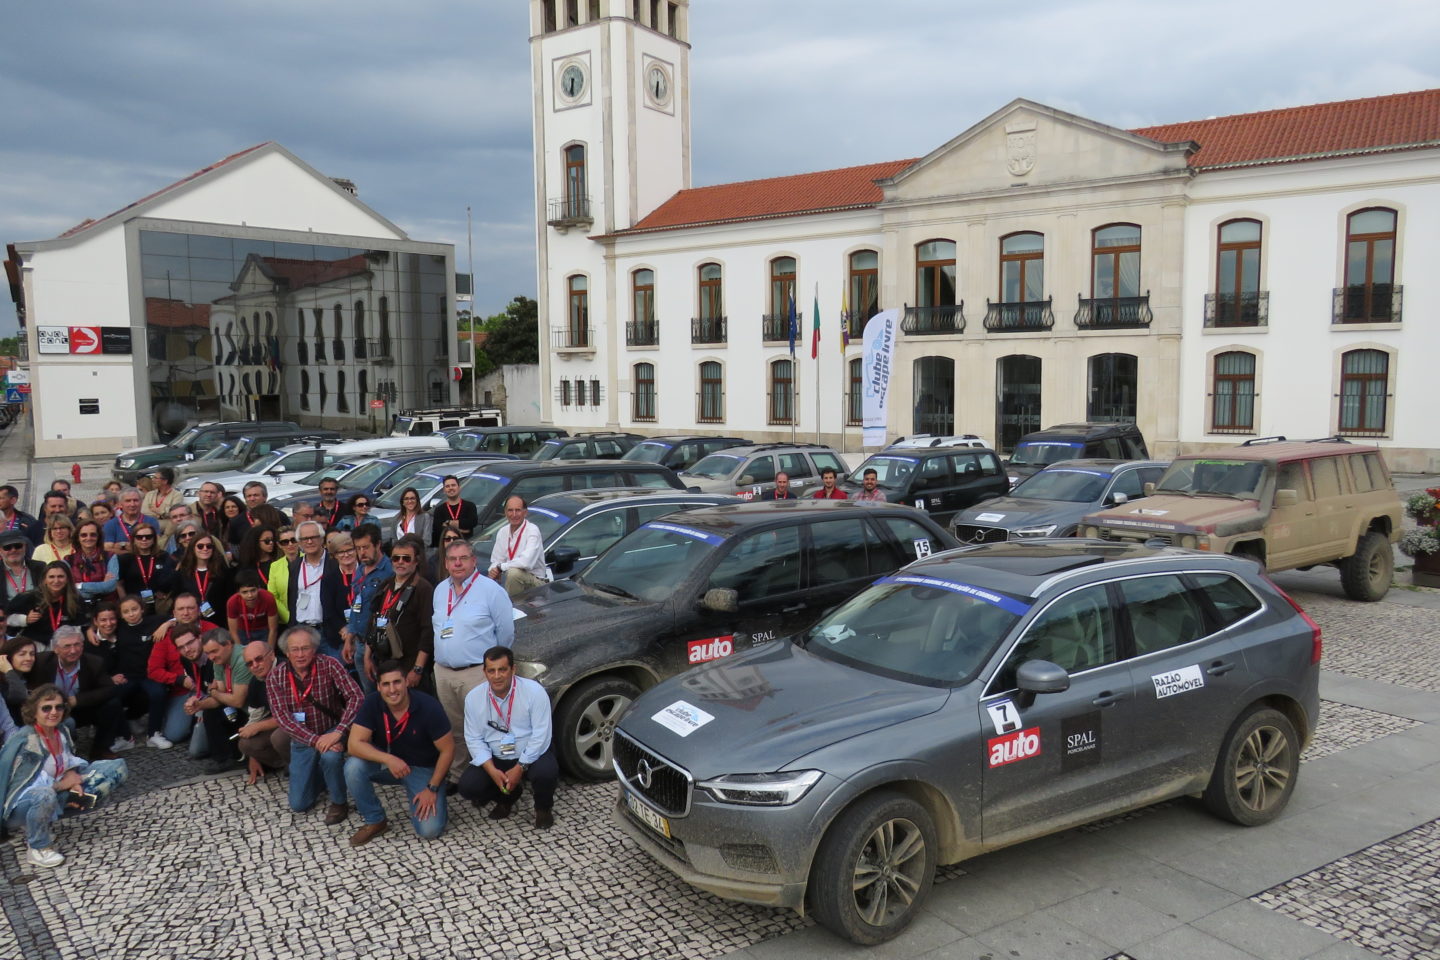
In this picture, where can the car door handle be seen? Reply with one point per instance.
(1107, 698)
(1219, 668)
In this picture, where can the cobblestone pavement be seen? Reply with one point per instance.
(1402, 647)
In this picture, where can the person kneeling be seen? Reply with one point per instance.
(507, 728)
(41, 778)
(418, 746)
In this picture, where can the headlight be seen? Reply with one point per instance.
(1035, 531)
(762, 789)
(125, 464)
(530, 670)
(1092, 533)
(1188, 542)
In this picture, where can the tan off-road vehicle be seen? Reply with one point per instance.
(1284, 504)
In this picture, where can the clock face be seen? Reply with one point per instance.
(657, 85)
(572, 81)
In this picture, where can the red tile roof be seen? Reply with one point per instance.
(160, 312)
(312, 273)
(828, 190)
(87, 224)
(1399, 121)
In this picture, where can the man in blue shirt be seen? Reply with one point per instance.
(471, 613)
(127, 517)
(374, 568)
(507, 728)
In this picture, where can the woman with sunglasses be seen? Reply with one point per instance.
(410, 520)
(96, 571)
(359, 507)
(257, 552)
(17, 660)
(287, 549)
(59, 540)
(147, 571)
(41, 778)
(204, 571)
(50, 607)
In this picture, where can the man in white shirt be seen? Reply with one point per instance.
(317, 591)
(517, 561)
(507, 730)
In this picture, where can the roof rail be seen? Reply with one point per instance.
(777, 446)
(1258, 440)
(1333, 439)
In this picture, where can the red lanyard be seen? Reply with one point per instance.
(229, 687)
(516, 537)
(56, 614)
(305, 582)
(295, 689)
(392, 597)
(207, 520)
(124, 527)
(334, 515)
(349, 589)
(455, 514)
(509, 706)
(264, 577)
(399, 727)
(57, 750)
(89, 569)
(251, 614)
(69, 686)
(204, 585)
(24, 578)
(452, 601)
(145, 575)
(199, 683)
(407, 526)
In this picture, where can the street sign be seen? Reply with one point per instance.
(16, 377)
(377, 404)
(13, 395)
(24, 388)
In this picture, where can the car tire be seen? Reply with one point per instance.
(1366, 573)
(585, 725)
(1254, 775)
(874, 868)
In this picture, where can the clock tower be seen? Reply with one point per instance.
(610, 80)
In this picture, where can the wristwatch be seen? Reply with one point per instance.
(432, 788)
(417, 669)
(525, 767)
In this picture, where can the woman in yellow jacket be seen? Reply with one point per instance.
(279, 583)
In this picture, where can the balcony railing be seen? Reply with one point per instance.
(1019, 316)
(642, 333)
(572, 338)
(855, 321)
(707, 330)
(1368, 303)
(1250, 308)
(776, 326)
(934, 321)
(566, 212)
(1114, 313)
(379, 351)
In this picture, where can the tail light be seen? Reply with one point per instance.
(1315, 645)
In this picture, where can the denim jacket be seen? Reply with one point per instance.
(21, 760)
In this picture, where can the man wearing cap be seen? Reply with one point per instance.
(161, 498)
(20, 575)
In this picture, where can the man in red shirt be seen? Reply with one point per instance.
(828, 490)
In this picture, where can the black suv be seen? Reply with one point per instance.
(939, 480)
(696, 587)
(1075, 441)
(587, 446)
(519, 440)
(680, 452)
(491, 485)
(131, 465)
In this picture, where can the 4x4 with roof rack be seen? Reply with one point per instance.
(600, 445)
(939, 480)
(682, 451)
(749, 471)
(1284, 504)
(1075, 441)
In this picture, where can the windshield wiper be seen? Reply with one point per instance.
(611, 588)
(1218, 493)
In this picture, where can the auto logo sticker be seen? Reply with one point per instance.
(1013, 747)
(922, 547)
(682, 718)
(1004, 715)
(712, 648)
(1177, 681)
(1081, 739)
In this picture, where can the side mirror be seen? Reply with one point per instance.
(564, 559)
(1150, 489)
(276, 471)
(745, 481)
(693, 490)
(1118, 498)
(720, 600)
(1286, 498)
(1041, 676)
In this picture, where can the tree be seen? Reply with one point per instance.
(9, 346)
(514, 333)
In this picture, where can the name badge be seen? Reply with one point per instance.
(356, 607)
(148, 596)
(206, 609)
(382, 622)
(507, 748)
(299, 716)
(446, 633)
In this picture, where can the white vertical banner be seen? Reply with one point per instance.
(879, 340)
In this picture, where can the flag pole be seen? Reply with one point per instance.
(815, 355)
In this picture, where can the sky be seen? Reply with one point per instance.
(426, 105)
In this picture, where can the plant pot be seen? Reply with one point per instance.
(1426, 572)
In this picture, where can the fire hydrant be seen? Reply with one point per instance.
(75, 471)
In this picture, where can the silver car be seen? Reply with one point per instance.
(977, 698)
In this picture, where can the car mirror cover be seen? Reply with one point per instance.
(1042, 676)
(721, 600)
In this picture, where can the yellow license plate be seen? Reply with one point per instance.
(650, 818)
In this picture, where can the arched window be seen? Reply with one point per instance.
(1232, 403)
(1369, 295)
(1237, 274)
(712, 393)
(855, 407)
(1115, 262)
(709, 327)
(643, 396)
(782, 292)
(304, 387)
(1022, 268)
(577, 200)
(579, 311)
(338, 342)
(935, 273)
(360, 348)
(1113, 385)
(782, 391)
(1364, 391)
(934, 401)
(863, 293)
(643, 331)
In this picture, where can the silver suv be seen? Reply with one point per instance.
(974, 699)
(750, 471)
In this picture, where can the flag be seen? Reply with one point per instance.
(844, 320)
(815, 330)
(794, 324)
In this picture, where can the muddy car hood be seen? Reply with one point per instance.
(1220, 515)
(562, 614)
(1022, 512)
(770, 707)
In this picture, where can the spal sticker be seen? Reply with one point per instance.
(682, 718)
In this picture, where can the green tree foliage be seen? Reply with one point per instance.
(514, 333)
(9, 346)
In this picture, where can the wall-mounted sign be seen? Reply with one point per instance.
(17, 376)
(89, 405)
(13, 395)
(114, 339)
(53, 339)
(84, 340)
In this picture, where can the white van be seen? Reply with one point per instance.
(423, 423)
(386, 447)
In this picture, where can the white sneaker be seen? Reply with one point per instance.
(45, 857)
(122, 744)
(158, 741)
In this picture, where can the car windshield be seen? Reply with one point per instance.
(480, 488)
(364, 477)
(335, 470)
(1233, 478)
(1040, 453)
(651, 562)
(650, 451)
(186, 438)
(546, 521)
(420, 481)
(717, 466)
(464, 442)
(549, 450)
(917, 628)
(890, 471)
(222, 452)
(265, 462)
(1063, 483)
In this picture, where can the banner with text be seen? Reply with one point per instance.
(879, 338)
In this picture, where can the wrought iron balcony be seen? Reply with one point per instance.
(572, 338)
(642, 333)
(567, 212)
(776, 326)
(1114, 313)
(707, 330)
(933, 321)
(1250, 308)
(1019, 316)
(1368, 303)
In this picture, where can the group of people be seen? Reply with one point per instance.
(869, 488)
(331, 649)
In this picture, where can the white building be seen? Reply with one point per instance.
(1049, 268)
(254, 288)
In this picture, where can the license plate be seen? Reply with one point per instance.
(650, 818)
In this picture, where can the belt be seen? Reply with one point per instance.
(466, 667)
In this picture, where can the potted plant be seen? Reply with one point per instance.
(1423, 541)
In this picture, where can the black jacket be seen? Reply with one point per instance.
(7, 589)
(95, 684)
(334, 598)
(412, 617)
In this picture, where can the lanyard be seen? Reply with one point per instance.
(295, 689)
(509, 705)
(455, 514)
(145, 575)
(207, 520)
(56, 614)
(199, 683)
(264, 577)
(23, 583)
(57, 750)
(399, 727)
(70, 685)
(334, 514)
(349, 582)
(392, 597)
(229, 687)
(452, 601)
(407, 526)
(516, 537)
(305, 582)
(89, 569)
(124, 527)
(204, 585)
(250, 615)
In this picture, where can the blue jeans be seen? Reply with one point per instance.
(361, 777)
(36, 810)
(178, 723)
(305, 777)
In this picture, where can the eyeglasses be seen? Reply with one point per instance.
(51, 708)
(345, 552)
(401, 558)
(256, 661)
(187, 534)
(362, 503)
(14, 546)
(287, 541)
(204, 545)
(89, 534)
(268, 541)
(448, 539)
(144, 536)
